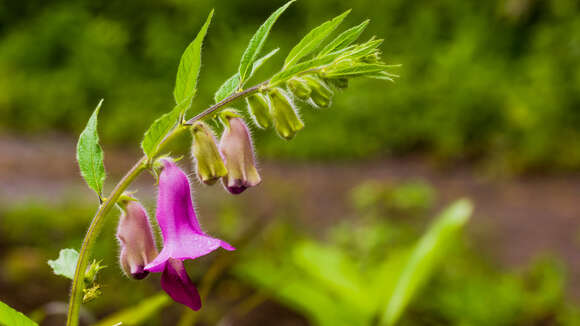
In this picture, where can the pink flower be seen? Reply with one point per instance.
(177, 284)
(136, 239)
(182, 235)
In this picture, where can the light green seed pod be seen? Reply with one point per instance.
(321, 94)
(259, 110)
(209, 163)
(299, 88)
(286, 120)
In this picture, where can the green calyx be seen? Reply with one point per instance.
(286, 120)
(299, 88)
(209, 163)
(321, 94)
(259, 109)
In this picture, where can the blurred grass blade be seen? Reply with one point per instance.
(345, 38)
(189, 66)
(426, 256)
(90, 154)
(313, 39)
(11, 317)
(138, 314)
(159, 128)
(257, 42)
(333, 269)
(227, 88)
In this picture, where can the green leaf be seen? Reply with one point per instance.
(303, 66)
(189, 66)
(258, 63)
(11, 317)
(426, 256)
(257, 42)
(355, 70)
(313, 39)
(228, 88)
(138, 314)
(66, 263)
(345, 38)
(90, 154)
(160, 128)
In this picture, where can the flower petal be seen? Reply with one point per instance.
(179, 286)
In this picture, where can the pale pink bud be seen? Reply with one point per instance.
(238, 153)
(136, 239)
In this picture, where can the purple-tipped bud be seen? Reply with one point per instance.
(209, 164)
(238, 152)
(136, 239)
(176, 282)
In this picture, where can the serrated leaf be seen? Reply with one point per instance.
(189, 66)
(90, 154)
(138, 314)
(426, 256)
(228, 88)
(160, 128)
(257, 42)
(66, 263)
(345, 38)
(313, 39)
(11, 317)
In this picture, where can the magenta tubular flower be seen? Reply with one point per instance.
(136, 239)
(182, 235)
(238, 153)
(177, 284)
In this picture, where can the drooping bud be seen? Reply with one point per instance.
(259, 110)
(238, 152)
(299, 88)
(135, 237)
(209, 164)
(340, 83)
(286, 120)
(321, 94)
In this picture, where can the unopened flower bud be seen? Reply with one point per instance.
(340, 83)
(209, 164)
(136, 238)
(299, 88)
(321, 94)
(259, 110)
(238, 152)
(286, 120)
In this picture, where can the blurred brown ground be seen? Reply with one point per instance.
(515, 220)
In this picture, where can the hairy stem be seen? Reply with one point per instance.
(107, 204)
(91, 237)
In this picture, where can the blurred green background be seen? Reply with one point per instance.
(487, 106)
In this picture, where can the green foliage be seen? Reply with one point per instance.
(160, 127)
(189, 67)
(11, 317)
(90, 154)
(257, 42)
(66, 263)
(342, 287)
(312, 40)
(138, 314)
(482, 80)
(345, 38)
(426, 256)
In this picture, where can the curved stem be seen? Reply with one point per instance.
(90, 239)
(76, 294)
